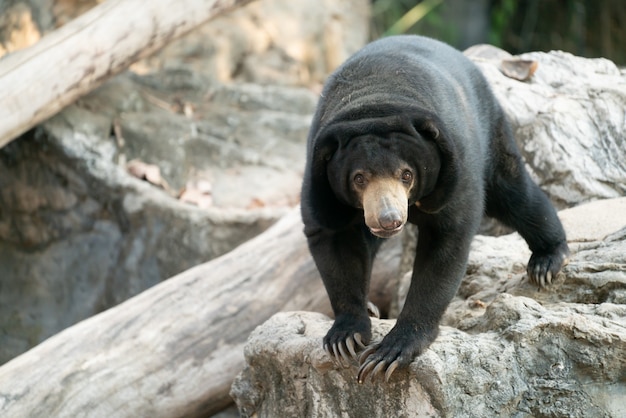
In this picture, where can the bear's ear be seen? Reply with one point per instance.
(321, 149)
(431, 129)
(319, 203)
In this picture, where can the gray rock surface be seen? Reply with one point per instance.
(78, 234)
(272, 42)
(507, 349)
(569, 122)
(589, 227)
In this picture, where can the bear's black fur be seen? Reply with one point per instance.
(408, 130)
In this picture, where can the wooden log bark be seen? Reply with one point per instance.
(39, 81)
(175, 349)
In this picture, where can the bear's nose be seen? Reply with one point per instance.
(390, 220)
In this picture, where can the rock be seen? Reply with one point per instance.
(594, 221)
(506, 349)
(498, 264)
(272, 42)
(79, 234)
(535, 365)
(17, 28)
(510, 66)
(569, 123)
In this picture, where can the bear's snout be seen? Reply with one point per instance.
(385, 204)
(389, 223)
(390, 219)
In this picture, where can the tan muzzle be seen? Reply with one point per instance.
(385, 205)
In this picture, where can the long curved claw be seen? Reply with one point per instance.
(339, 358)
(392, 368)
(336, 356)
(373, 368)
(336, 353)
(543, 268)
(345, 358)
(351, 347)
(541, 277)
(537, 276)
(365, 354)
(359, 340)
(345, 353)
(373, 310)
(382, 365)
(365, 370)
(327, 349)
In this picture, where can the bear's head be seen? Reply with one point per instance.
(381, 164)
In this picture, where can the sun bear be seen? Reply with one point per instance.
(408, 130)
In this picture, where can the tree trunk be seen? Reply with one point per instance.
(175, 349)
(38, 81)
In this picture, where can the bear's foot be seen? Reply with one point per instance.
(543, 267)
(348, 336)
(396, 350)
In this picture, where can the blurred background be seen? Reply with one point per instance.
(588, 28)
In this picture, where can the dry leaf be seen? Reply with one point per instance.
(199, 193)
(148, 172)
(519, 69)
(256, 203)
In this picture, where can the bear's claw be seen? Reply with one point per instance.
(543, 268)
(372, 367)
(345, 351)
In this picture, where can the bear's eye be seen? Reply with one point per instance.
(359, 179)
(407, 176)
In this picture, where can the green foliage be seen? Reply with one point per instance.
(501, 14)
(392, 17)
(412, 16)
(588, 28)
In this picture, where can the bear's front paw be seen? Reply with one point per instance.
(543, 267)
(348, 336)
(396, 350)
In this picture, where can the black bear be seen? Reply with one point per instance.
(408, 129)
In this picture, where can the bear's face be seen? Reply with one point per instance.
(384, 199)
(381, 160)
(382, 176)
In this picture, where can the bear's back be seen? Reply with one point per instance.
(410, 67)
(413, 70)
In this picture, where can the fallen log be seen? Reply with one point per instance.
(38, 81)
(175, 349)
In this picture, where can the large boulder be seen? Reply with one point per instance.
(508, 348)
(568, 120)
